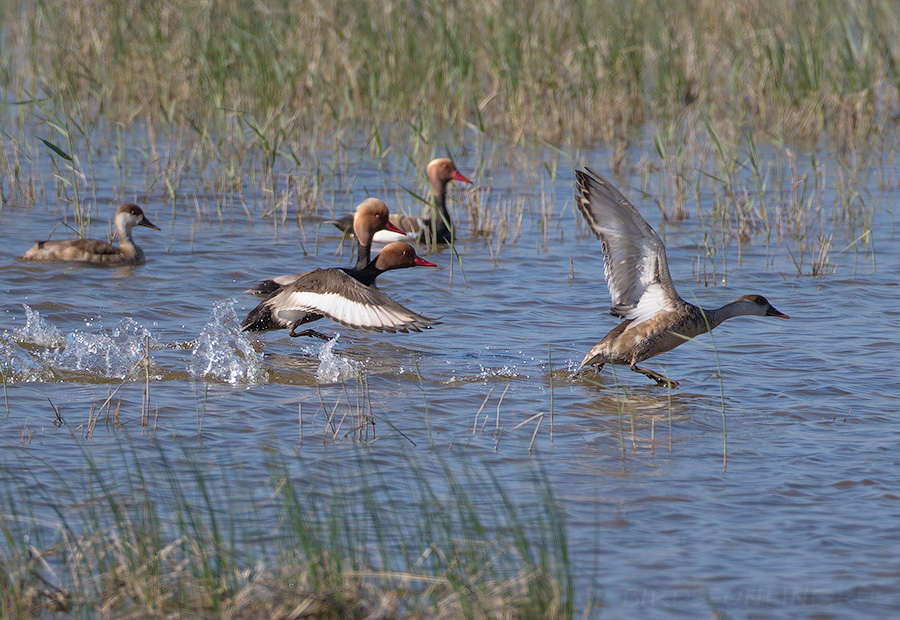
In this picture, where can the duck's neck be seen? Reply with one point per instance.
(127, 245)
(740, 307)
(363, 256)
(365, 274)
(439, 227)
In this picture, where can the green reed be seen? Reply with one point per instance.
(569, 73)
(142, 536)
(254, 111)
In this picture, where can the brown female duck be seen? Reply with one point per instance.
(657, 319)
(94, 251)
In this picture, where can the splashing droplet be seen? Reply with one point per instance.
(223, 352)
(118, 354)
(36, 330)
(333, 367)
(20, 365)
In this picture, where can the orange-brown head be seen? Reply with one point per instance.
(399, 255)
(371, 216)
(440, 172)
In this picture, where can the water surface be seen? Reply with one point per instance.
(802, 523)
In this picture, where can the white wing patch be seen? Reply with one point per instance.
(349, 312)
(289, 316)
(634, 258)
(653, 301)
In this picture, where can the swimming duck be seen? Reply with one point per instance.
(94, 251)
(657, 319)
(434, 229)
(346, 296)
(371, 216)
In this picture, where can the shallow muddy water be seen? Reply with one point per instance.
(802, 523)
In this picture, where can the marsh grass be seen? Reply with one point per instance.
(236, 95)
(236, 166)
(742, 194)
(206, 541)
(267, 96)
(558, 71)
(351, 416)
(636, 410)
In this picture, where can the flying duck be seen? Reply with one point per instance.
(346, 296)
(657, 319)
(371, 216)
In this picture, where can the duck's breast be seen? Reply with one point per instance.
(663, 332)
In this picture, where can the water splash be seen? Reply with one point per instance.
(223, 352)
(36, 330)
(507, 371)
(119, 354)
(20, 365)
(332, 367)
(486, 373)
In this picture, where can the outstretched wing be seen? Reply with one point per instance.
(333, 293)
(267, 287)
(635, 266)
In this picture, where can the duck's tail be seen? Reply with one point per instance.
(259, 320)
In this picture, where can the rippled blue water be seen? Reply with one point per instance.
(802, 523)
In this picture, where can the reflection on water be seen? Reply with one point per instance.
(805, 409)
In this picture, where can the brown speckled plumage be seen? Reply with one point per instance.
(94, 251)
(657, 319)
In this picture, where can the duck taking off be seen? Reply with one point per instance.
(94, 251)
(371, 216)
(436, 228)
(657, 319)
(346, 296)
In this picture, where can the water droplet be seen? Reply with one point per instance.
(224, 352)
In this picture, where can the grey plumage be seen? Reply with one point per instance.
(657, 319)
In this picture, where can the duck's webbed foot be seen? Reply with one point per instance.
(308, 332)
(660, 380)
